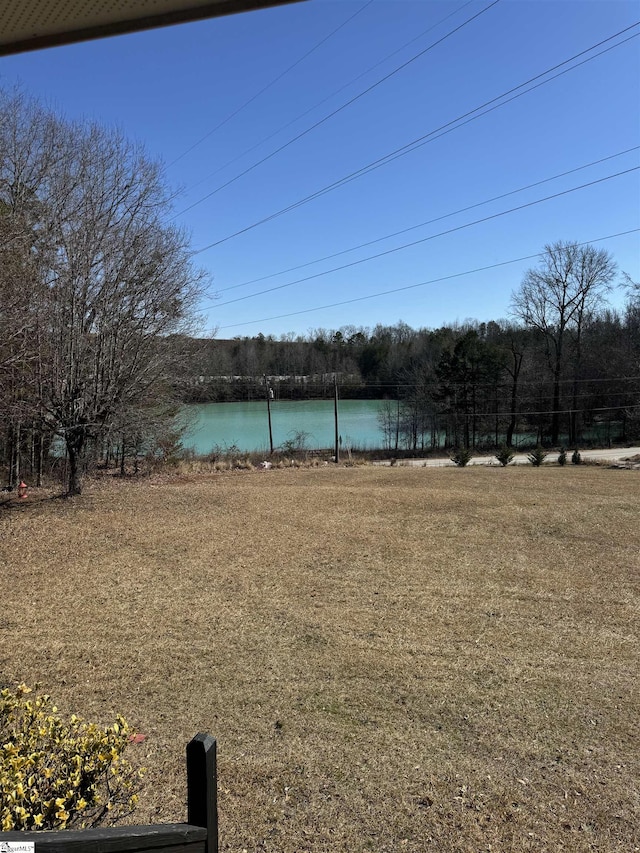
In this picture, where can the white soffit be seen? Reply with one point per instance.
(33, 24)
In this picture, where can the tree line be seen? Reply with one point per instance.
(564, 368)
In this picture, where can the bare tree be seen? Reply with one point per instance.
(19, 308)
(517, 344)
(116, 279)
(556, 298)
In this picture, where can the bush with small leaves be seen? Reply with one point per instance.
(576, 459)
(461, 456)
(537, 456)
(505, 455)
(562, 456)
(298, 442)
(57, 773)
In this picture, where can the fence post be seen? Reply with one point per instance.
(202, 787)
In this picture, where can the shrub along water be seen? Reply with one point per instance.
(537, 456)
(461, 456)
(505, 455)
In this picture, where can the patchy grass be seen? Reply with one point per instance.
(392, 659)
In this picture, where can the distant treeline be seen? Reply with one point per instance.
(563, 379)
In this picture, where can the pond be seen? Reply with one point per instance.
(246, 425)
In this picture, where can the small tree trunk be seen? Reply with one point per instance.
(515, 375)
(555, 417)
(11, 439)
(15, 474)
(397, 420)
(75, 484)
(75, 444)
(39, 454)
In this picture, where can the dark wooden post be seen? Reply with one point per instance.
(335, 412)
(269, 393)
(202, 787)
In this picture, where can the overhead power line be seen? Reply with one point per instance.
(430, 237)
(437, 133)
(418, 284)
(528, 384)
(428, 221)
(569, 411)
(540, 412)
(342, 107)
(522, 414)
(328, 97)
(269, 85)
(579, 400)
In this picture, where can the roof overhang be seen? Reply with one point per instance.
(32, 24)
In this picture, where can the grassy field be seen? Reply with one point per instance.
(392, 659)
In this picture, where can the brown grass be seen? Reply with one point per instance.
(391, 659)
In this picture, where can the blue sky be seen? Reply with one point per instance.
(171, 87)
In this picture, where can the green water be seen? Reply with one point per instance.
(246, 425)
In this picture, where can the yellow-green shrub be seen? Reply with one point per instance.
(56, 773)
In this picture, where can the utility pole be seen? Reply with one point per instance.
(335, 409)
(269, 392)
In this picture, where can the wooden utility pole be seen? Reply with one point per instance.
(269, 393)
(335, 409)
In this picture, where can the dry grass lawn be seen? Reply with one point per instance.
(392, 659)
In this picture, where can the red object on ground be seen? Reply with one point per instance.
(137, 738)
(22, 489)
